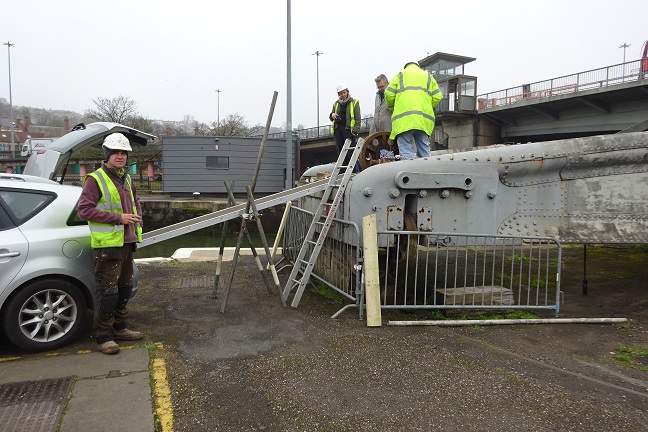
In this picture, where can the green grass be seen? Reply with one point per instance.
(519, 257)
(632, 356)
(151, 347)
(515, 314)
(328, 292)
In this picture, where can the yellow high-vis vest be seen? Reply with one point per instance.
(108, 235)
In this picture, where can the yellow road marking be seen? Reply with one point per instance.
(162, 392)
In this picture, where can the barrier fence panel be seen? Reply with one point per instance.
(420, 270)
(337, 265)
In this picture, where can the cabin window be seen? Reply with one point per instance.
(217, 162)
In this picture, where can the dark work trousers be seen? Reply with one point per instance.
(340, 135)
(114, 280)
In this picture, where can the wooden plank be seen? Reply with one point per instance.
(372, 279)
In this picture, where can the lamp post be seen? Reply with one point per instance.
(289, 138)
(317, 54)
(218, 92)
(624, 46)
(11, 119)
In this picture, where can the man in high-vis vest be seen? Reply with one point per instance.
(411, 96)
(345, 119)
(110, 204)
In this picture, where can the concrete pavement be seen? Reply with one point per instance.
(126, 391)
(108, 393)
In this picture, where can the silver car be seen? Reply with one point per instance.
(46, 266)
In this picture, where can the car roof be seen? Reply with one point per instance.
(6, 177)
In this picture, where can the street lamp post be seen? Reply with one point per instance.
(624, 46)
(289, 131)
(11, 119)
(218, 92)
(317, 54)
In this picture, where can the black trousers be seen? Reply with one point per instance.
(340, 135)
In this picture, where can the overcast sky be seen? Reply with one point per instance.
(171, 56)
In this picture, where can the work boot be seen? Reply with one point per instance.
(126, 334)
(109, 347)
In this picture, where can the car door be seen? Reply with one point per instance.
(13, 252)
(48, 162)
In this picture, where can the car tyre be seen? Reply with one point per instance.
(44, 315)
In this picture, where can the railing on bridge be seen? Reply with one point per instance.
(440, 137)
(588, 80)
(318, 132)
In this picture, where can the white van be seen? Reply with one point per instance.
(32, 145)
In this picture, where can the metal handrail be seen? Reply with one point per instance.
(588, 80)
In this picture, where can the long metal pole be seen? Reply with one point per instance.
(218, 92)
(624, 46)
(11, 119)
(289, 138)
(318, 105)
(317, 54)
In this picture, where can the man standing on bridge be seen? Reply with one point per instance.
(345, 118)
(382, 116)
(411, 96)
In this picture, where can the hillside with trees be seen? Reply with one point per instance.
(123, 110)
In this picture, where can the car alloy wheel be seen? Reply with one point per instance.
(45, 315)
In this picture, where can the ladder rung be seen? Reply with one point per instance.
(340, 170)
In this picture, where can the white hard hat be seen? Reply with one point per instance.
(341, 87)
(411, 62)
(117, 141)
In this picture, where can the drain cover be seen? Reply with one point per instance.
(33, 406)
(197, 282)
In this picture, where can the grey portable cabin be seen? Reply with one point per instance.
(202, 164)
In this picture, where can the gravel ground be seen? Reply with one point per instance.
(259, 366)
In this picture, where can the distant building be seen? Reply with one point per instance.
(21, 132)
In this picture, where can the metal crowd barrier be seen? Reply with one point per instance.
(337, 265)
(423, 270)
(420, 270)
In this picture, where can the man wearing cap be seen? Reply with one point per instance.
(345, 117)
(411, 96)
(110, 204)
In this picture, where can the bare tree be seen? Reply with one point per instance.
(120, 109)
(234, 125)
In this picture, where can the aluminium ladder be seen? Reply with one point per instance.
(314, 239)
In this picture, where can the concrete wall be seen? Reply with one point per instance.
(460, 132)
(488, 133)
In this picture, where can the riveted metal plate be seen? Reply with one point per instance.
(33, 405)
